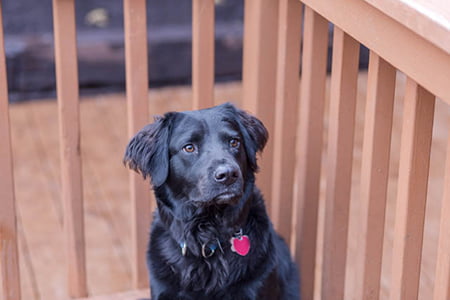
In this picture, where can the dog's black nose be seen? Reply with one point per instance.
(226, 174)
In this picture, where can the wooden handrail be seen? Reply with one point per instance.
(429, 19)
(412, 36)
(397, 44)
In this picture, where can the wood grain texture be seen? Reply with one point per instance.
(428, 18)
(131, 295)
(135, 22)
(309, 147)
(9, 261)
(286, 115)
(70, 148)
(412, 191)
(397, 44)
(374, 176)
(107, 211)
(202, 53)
(442, 281)
(340, 156)
(259, 76)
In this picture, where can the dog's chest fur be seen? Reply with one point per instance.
(224, 268)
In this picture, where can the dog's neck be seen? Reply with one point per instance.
(199, 228)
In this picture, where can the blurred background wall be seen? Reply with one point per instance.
(28, 27)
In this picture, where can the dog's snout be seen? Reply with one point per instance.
(226, 174)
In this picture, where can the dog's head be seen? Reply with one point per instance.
(204, 156)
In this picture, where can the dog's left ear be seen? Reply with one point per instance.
(255, 136)
(148, 151)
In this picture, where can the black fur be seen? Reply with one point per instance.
(202, 166)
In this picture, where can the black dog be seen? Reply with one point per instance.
(211, 237)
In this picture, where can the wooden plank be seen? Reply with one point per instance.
(202, 53)
(309, 147)
(430, 19)
(37, 169)
(259, 75)
(69, 132)
(130, 295)
(340, 156)
(412, 191)
(427, 64)
(111, 271)
(9, 262)
(442, 280)
(287, 94)
(374, 176)
(137, 106)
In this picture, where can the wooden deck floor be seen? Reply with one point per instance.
(107, 209)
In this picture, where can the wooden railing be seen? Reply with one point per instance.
(401, 35)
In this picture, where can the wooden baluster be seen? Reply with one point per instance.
(374, 176)
(442, 280)
(259, 76)
(9, 272)
(70, 148)
(309, 147)
(202, 53)
(286, 101)
(340, 157)
(412, 191)
(136, 56)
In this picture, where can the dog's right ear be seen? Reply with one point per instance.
(148, 151)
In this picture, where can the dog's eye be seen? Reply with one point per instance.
(189, 148)
(234, 143)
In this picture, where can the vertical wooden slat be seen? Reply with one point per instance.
(202, 53)
(442, 280)
(287, 92)
(417, 128)
(340, 156)
(309, 146)
(69, 133)
(9, 272)
(135, 22)
(374, 176)
(259, 75)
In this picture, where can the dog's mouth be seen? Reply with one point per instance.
(227, 198)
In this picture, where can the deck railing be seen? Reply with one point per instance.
(401, 36)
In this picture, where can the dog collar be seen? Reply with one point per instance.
(240, 244)
(208, 249)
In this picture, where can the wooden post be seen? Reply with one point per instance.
(286, 101)
(69, 132)
(442, 280)
(9, 264)
(259, 75)
(417, 128)
(309, 147)
(374, 176)
(202, 53)
(135, 15)
(344, 78)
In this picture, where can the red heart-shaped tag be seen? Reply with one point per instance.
(240, 245)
